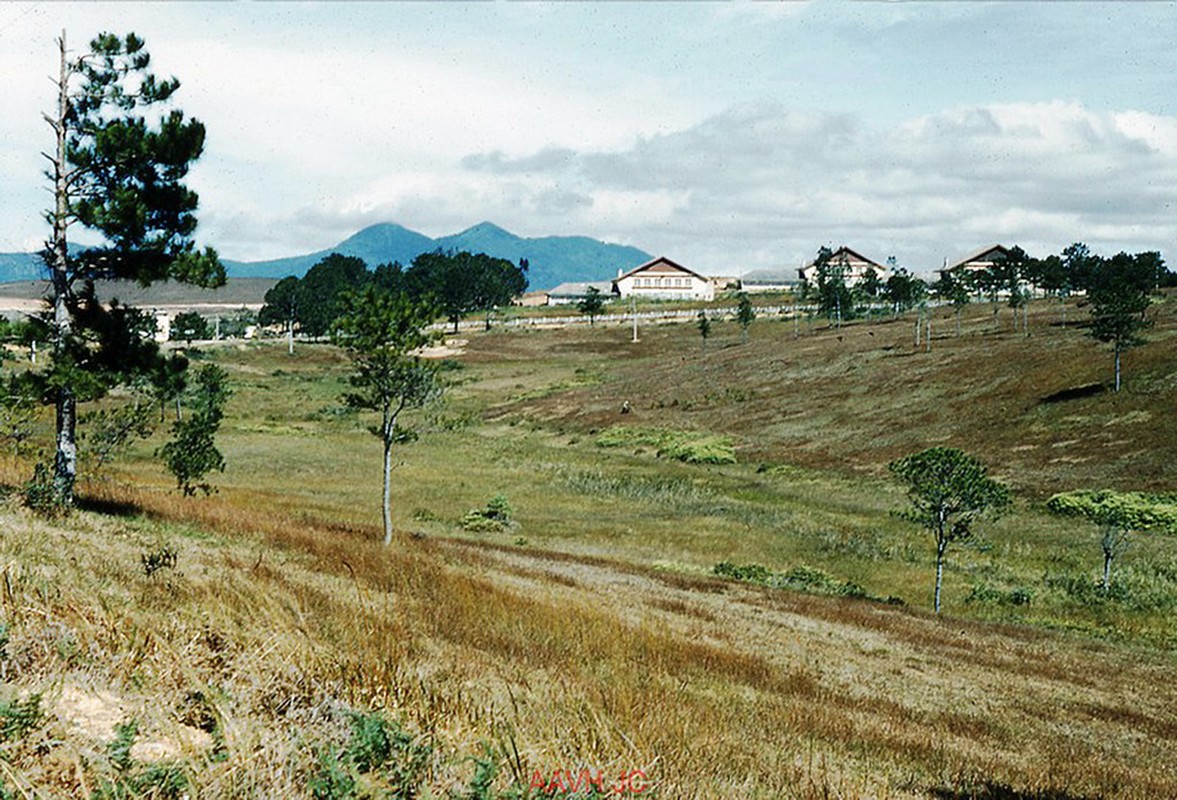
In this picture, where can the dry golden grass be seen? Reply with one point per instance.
(713, 689)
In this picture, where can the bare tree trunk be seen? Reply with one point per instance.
(941, 546)
(918, 320)
(1107, 570)
(1117, 357)
(388, 430)
(65, 461)
(928, 334)
(290, 338)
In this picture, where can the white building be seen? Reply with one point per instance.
(662, 279)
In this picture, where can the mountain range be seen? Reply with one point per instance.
(553, 259)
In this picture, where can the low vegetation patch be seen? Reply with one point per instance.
(798, 579)
(691, 447)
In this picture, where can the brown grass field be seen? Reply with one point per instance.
(592, 635)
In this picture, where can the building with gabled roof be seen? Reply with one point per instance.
(855, 267)
(663, 279)
(984, 258)
(574, 292)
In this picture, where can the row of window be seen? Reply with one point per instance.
(661, 283)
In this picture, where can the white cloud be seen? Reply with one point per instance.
(784, 183)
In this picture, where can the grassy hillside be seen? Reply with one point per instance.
(255, 635)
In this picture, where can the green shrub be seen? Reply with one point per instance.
(40, 496)
(751, 573)
(687, 446)
(18, 717)
(331, 780)
(1129, 510)
(495, 516)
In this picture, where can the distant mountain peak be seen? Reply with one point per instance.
(553, 259)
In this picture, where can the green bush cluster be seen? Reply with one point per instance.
(1128, 510)
(691, 447)
(985, 594)
(495, 516)
(800, 579)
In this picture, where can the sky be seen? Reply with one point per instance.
(727, 136)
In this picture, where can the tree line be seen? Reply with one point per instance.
(454, 284)
(1117, 290)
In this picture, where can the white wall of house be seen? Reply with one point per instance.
(661, 280)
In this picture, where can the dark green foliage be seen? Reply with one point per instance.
(189, 325)
(323, 289)
(953, 288)
(332, 780)
(1119, 295)
(799, 579)
(169, 379)
(18, 717)
(41, 496)
(118, 169)
(379, 753)
(592, 304)
(120, 749)
(833, 296)
(462, 282)
(949, 490)
(904, 291)
(745, 314)
(752, 573)
(192, 453)
(481, 783)
(282, 303)
(703, 323)
(984, 594)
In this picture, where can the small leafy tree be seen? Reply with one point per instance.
(192, 453)
(953, 289)
(745, 314)
(1119, 296)
(904, 291)
(169, 379)
(381, 332)
(1118, 515)
(591, 304)
(703, 323)
(282, 304)
(834, 297)
(189, 325)
(949, 490)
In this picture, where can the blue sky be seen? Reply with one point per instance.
(728, 136)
